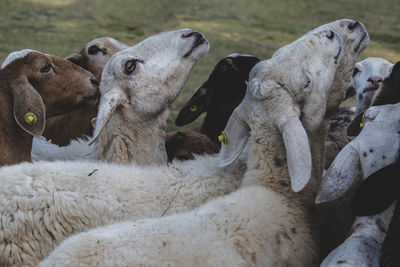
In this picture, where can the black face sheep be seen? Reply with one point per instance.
(35, 86)
(218, 97)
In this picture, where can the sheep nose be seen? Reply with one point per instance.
(94, 81)
(374, 80)
(189, 33)
(353, 25)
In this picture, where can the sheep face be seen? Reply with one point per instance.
(222, 92)
(144, 79)
(367, 80)
(276, 96)
(364, 154)
(47, 86)
(96, 54)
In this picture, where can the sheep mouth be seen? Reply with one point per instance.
(199, 40)
(370, 88)
(357, 47)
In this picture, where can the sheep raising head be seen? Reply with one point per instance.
(149, 75)
(276, 96)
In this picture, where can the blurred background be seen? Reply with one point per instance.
(257, 27)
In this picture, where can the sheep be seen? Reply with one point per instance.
(375, 195)
(218, 97)
(138, 85)
(368, 75)
(363, 155)
(34, 86)
(266, 222)
(66, 127)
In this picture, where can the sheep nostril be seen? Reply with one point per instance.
(188, 33)
(94, 81)
(353, 25)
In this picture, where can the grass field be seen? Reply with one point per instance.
(257, 27)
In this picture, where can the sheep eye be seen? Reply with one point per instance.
(46, 68)
(94, 49)
(355, 71)
(130, 66)
(330, 35)
(193, 108)
(308, 82)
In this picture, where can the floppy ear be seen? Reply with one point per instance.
(340, 176)
(108, 103)
(237, 133)
(29, 110)
(193, 108)
(377, 192)
(298, 153)
(77, 59)
(354, 127)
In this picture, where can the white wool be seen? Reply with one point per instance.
(264, 222)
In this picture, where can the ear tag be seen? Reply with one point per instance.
(222, 138)
(193, 108)
(361, 125)
(30, 118)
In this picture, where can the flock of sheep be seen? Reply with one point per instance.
(272, 177)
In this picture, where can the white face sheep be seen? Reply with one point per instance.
(218, 97)
(72, 125)
(367, 79)
(376, 146)
(35, 86)
(263, 223)
(138, 85)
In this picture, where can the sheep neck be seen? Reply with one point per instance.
(128, 139)
(212, 126)
(15, 143)
(267, 167)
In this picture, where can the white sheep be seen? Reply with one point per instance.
(138, 85)
(376, 146)
(367, 79)
(267, 222)
(35, 86)
(77, 124)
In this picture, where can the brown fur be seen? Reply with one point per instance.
(77, 124)
(64, 88)
(182, 145)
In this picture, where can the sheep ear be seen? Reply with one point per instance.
(29, 109)
(108, 103)
(354, 127)
(298, 153)
(377, 192)
(77, 59)
(340, 176)
(237, 133)
(193, 108)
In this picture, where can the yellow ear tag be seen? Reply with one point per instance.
(193, 108)
(361, 125)
(222, 138)
(30, 118)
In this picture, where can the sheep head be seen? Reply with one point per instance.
(367, 80)
(276, 97)
(144, 79)
(45, 85)
(96, 54)
(223, 90)
(376, 146)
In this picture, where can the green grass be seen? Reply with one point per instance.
(257, 27)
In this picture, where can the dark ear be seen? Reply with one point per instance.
(77, 59)
(354, 127)
(377, 192)
(351, 91)
(29, 110)
(193, 108)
